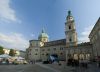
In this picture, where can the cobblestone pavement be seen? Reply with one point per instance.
(39, 67)
(63, 68)
(24, 68)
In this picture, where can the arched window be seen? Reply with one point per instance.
(69, 27)
(30, 44)
(76, 56)
(81, 56)
(88, 56)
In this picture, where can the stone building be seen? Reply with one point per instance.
(81, 51)
(95, 38)
(66, 48)
(42, 48)
(33, 52)
(56, 47)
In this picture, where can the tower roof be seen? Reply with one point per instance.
(43, 31)
(69, 13)
(43, 34)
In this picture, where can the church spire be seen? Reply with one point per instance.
(69, 16)
(69, 13)
(43, 31)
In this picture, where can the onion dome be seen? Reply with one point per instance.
(43, 35)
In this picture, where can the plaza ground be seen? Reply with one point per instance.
(25, 68)
(39, 67)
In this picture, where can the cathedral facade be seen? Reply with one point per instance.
(64, 49)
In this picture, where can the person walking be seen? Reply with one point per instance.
(7, 61)
(98, 63)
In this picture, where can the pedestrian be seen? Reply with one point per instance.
(98, 63)
(81, 62)
(7, 61)
(85, 63)
(0, 61)
(34, 61)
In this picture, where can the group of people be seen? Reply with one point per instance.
(4, 61)
(75, 62)
(32, 62)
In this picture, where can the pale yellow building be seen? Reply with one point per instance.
(17, 52)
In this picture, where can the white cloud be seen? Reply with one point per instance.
(6, 12)
(13, 40)
(32, 35)
(84, 35)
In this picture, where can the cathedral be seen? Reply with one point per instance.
(41, 49)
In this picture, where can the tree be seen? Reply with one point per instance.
(12, 52)
(1, 50)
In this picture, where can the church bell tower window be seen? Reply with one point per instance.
(69, 27)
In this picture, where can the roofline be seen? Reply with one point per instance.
(94, 27)
(33, 40)
(57, 40)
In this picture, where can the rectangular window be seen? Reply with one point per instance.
(70, 39)
(42, 54)
(30, 49)
(36, 49)
(48, 49)
(43, 49)
(54, 48)
(61, 48)
(30, 54)
(36, 54)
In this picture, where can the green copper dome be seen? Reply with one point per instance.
(43, 34)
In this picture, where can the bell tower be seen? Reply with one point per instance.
(70, 31)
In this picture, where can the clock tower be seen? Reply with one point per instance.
(70, 31)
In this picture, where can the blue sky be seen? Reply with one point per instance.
(22, 20)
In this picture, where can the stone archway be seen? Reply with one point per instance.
(81, 56)
(75, 56)
(54, 57)
(69, 56)
(87, 56)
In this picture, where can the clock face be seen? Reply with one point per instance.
(71, 18)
